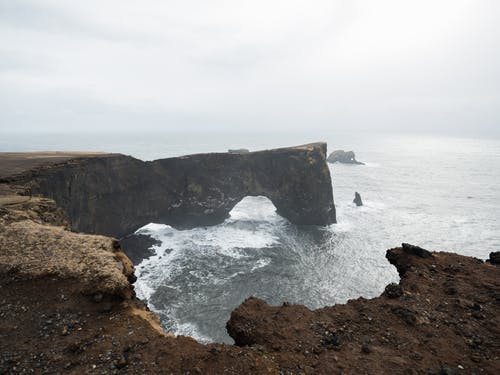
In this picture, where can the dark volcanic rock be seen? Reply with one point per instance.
(138, 247)
(345, 157)
(357, 199)
(393, 290)
(415, 250)
(116, 194)
(495, 257)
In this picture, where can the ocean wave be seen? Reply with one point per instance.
(261, 263)
(191, 329)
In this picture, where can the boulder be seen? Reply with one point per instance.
(494, 257)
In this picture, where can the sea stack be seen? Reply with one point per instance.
(344, 157)
(357, 199)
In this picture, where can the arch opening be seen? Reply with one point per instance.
(254, 208)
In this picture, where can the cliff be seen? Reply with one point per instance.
(68, 306)
(115, 194)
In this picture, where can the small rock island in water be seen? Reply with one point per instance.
(344, 157)
(357, 199)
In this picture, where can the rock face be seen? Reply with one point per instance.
(116, 194)
(357, 199)
(345, 157)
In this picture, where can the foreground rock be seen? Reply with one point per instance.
(345, 157)
(443, 317)
(115, 194)
(139, 247)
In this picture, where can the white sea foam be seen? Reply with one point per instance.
(226, 239)
(369, 205)
(192, 330)
(255, 209)
(143, 289)
(341, 227)
(261, 263)
(253, 225)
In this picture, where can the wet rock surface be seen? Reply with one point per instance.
(116, 194)
(138, 247)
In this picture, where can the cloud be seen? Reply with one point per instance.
(393, 65)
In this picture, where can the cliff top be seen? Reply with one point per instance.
(12, 163)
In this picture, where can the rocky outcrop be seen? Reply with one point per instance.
(441, 318)
(494, 257)
(357, 199)
(138, 247)
(116, 194)
(345, 157)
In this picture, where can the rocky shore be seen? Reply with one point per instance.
(67, 305)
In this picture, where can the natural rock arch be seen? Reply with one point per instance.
(116, 194)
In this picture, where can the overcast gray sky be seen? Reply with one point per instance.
(426, 65)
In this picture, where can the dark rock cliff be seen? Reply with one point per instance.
(116, 194)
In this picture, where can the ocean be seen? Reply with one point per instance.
(440, 193)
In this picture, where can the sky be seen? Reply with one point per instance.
(159, 65)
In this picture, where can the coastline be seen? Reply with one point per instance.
(61, 317)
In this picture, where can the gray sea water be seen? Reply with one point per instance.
(437, 192)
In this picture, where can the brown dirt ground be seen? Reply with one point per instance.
(12, 163)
